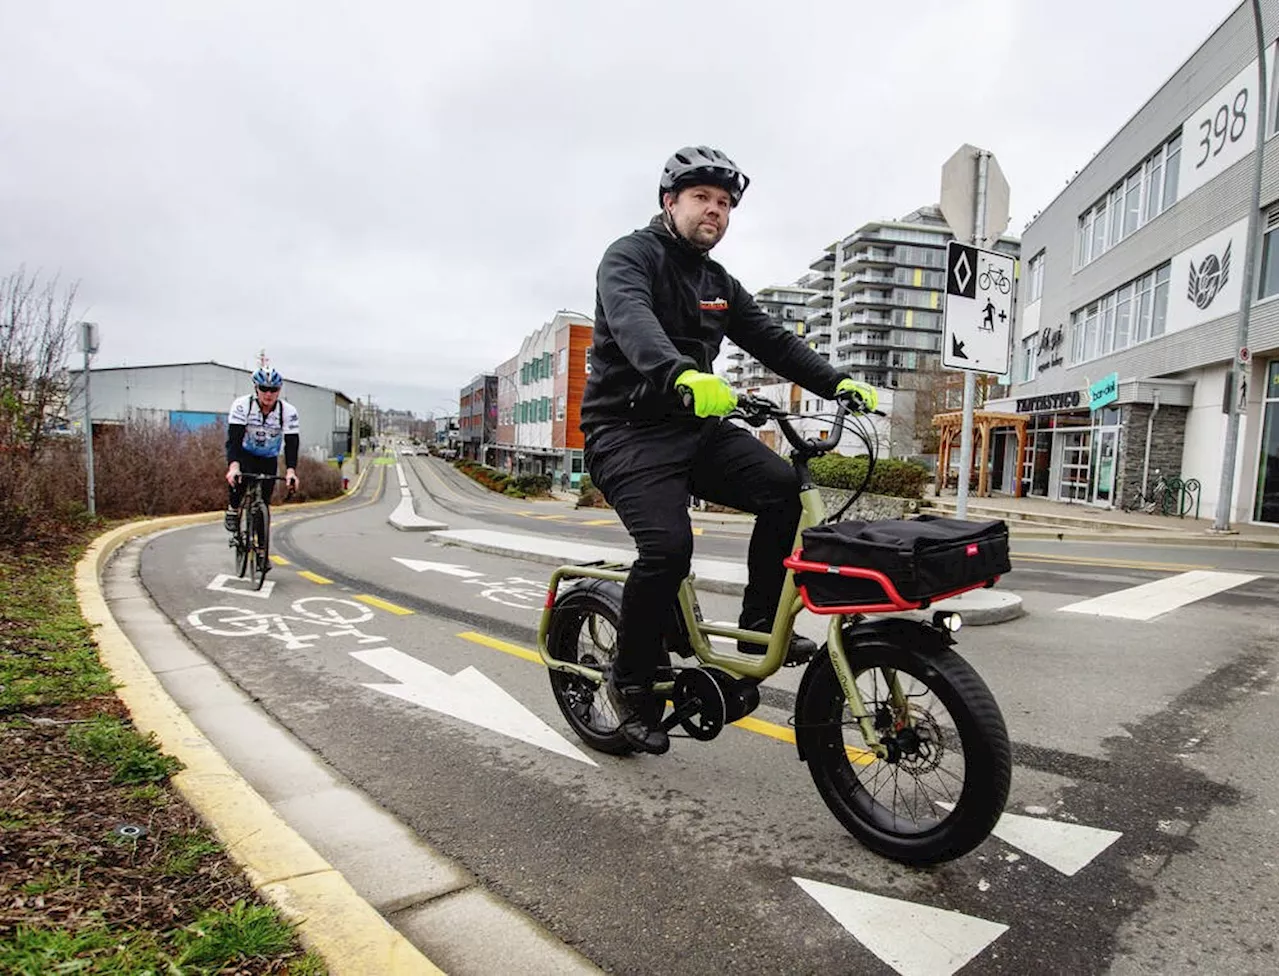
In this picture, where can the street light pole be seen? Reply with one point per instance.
(1236, 371)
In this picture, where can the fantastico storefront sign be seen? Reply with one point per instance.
(1050, 401)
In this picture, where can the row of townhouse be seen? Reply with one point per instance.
(523, 416)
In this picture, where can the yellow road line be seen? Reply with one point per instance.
(774, 731)
(1105, 561)
(279, 560)
(601, 522)
(314, 577)
(498, 645)
(373, 601)
(697, 531)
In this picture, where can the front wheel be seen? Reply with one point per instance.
(259, 556)
(943, 784)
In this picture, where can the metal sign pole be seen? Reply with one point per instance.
(970, 383)
(1237, 370)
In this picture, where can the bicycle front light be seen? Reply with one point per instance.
(947, 620)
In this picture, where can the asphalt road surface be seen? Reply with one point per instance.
(1140, 832)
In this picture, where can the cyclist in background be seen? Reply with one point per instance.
(259, 424)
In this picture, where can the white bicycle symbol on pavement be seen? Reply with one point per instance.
(337, 615)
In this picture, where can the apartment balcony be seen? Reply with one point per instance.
(820, 300)
(824, 265)
(869, 256)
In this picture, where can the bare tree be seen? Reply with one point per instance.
(36, 334)
(927, 392)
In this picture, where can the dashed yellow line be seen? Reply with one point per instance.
(697, 531)
(374, 601)
(498, 645)
(314, 577)
(279, 560)
(774, 731)
(601, 522)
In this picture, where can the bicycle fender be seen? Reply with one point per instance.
(900, 630)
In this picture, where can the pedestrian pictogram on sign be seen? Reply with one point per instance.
(978, 311)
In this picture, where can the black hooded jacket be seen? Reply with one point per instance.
(662, 307)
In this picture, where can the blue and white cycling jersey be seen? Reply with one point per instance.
(263, 436)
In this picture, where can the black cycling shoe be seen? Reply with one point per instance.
(800, 651)
(638, 720)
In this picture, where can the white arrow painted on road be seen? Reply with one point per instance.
(914, 939)
(467, 695)
(422, 566)
(1065, 847)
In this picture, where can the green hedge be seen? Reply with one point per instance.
(900, 479)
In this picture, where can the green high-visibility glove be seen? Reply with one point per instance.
(867, 394)
(712, 396)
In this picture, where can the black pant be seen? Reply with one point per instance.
(647, 473)
(254, 465)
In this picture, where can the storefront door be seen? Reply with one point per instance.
(1073, 482)
(1266, 499)
(1104, 466)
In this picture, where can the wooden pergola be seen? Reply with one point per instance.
(984, 422)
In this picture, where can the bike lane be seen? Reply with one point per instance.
(716, 856)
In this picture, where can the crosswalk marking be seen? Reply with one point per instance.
(1160, 596)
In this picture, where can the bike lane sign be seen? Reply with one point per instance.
(977, 316)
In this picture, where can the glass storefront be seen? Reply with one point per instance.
(1265, 500)
(1072, 457)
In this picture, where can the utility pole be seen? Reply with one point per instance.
(89, 345)
(355, 434)
(1238, 368)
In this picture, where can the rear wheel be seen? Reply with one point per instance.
(584, 630)
(944, 783)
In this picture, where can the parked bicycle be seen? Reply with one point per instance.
(252, 537)
(903, 739)
(1173, 496)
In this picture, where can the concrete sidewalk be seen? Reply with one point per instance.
(366, 893)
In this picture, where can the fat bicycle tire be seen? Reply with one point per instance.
(581, 615)
(977, 731)
(260, 527)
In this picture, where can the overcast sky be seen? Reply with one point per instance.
(389, 197)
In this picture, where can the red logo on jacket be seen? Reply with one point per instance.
(714, 305)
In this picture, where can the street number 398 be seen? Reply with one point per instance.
(1228, 123)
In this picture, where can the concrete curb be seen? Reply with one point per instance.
(331, 917)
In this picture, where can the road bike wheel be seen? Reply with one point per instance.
(242, 541)
(584, 630)
(259, 536)
(946, 780)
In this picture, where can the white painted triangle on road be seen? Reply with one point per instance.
(449, 569)
(915, 940)
(1160, 596)
(227, 583)
(468, 696)
(1065, 847)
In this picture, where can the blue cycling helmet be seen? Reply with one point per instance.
(262, 376)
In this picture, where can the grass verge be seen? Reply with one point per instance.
(104, 868)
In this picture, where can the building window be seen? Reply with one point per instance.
(1029, 347)
(1268, 271)
(562, 366)
(560, 408)
(1035, 269)
(1147, 191)
(1133, 313)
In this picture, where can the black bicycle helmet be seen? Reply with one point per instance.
(697, 165)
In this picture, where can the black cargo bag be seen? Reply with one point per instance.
(924, 558)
